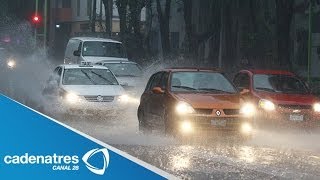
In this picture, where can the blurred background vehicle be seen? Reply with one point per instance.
(92, 49)
(282, 99)
(128, 73)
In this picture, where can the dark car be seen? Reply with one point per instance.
(192, 100)
(281, 98)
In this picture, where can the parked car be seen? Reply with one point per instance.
(190, 101)
(281, 98)
(93, 50)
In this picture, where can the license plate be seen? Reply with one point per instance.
(296, 117)
(218, 122)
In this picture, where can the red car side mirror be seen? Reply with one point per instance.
(157, 90)
(244, 91)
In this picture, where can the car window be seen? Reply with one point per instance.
(156, 80)
(149, 83)
(164, 80)
(103, 49)
(124, 69)
(206, 82)
(278, 83)
(88, 76)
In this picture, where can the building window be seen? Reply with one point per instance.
(66, 4)
(78, 7)
(89, 7)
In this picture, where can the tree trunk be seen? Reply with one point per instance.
(108, 13)
(164, 18)
(187, 7)
(94, 16)
(122, 10)
(284, 12)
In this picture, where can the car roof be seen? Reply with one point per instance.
(117, 61)
(95, 39)
(186, 69)
(78, 66)
(279, 72)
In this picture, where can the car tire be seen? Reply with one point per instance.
(143, 127)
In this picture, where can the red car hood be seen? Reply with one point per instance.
(207, 101)
(279, 98)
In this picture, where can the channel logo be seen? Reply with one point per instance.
(89, 154)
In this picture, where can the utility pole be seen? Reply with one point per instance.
(35, 29)
(310, 38)
(45, 24)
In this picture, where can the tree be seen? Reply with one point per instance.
(122, 6)
(284, 13)
(94, 16)
(164, 19)
(108, 4)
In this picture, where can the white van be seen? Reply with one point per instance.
(93, 50)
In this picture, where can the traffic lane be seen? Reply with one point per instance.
(267, 155)
(221, 161)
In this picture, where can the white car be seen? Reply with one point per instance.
(86, 89)
(93, 50)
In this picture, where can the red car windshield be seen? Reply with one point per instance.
(279, 83)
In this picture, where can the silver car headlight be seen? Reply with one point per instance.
(184, 108)
(267, 105)
(316, 107)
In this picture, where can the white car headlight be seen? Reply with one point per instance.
(248, 109)
(316, 107)
(267, 105)
(72, 98)
(123, 98)
(184, 108)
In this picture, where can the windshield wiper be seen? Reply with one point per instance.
(100, 76)
(212, 89)
(265, 89)
(126, 75)
(185, 87)
(86, 74)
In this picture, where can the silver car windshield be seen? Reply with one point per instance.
(124, 69)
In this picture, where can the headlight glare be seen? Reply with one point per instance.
(123, 98)
(184, 108)
(316, 107)
(248, 109)
(71, 98)
(267, 105)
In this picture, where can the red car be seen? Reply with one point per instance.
(280, 97)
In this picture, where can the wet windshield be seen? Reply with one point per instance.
(103, 49)
(83, 76)
(124, 69)
(207, 82)
(278, 83)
